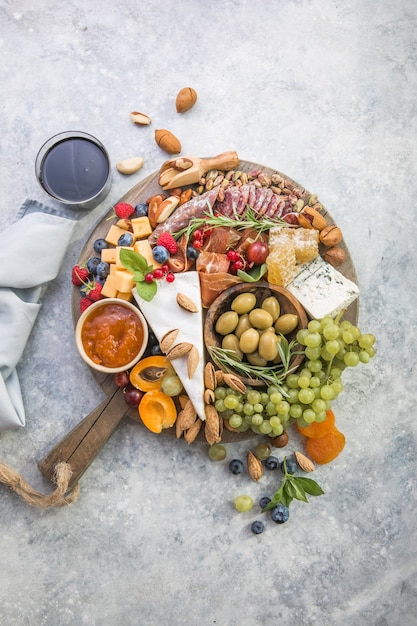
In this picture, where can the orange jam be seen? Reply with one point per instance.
(112, 335)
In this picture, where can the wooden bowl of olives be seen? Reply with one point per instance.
(251, 325)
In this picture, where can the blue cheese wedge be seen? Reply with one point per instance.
(322, 290)
(163, 313)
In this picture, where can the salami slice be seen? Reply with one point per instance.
(231, 199)
(196, 207)
(243, 199)
(267, 199)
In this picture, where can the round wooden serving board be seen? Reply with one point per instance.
(82, 444)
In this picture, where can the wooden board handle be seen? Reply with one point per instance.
(80, 446)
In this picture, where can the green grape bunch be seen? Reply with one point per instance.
(330, 346)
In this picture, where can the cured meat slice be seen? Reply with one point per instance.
(179, 219)
(252, 196)
(260, 195)
(212, 262)
(230, 202)
(243, 200)
(267, 199)
(221, 239)
(211, 285)
(272, 206)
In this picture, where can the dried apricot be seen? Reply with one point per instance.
(319, 429)
(157, 411)
(324, 449)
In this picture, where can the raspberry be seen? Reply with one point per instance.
(168, 241)
(95, 293)
(124, 210)
(79, 275)
(85, 303)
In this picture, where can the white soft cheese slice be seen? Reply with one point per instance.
(322, 290)
(163, 313)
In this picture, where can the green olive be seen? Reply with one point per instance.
(286, 323)
(272, 305)
(227, 322)
(268, 346)
(243, 303)
(231, 342)
(255, 359)
(259, 318)
(242, 325)
(249, 341)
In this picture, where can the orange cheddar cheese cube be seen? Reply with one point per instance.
(128, 296)
(141, 227)
(114, 234)
(143, 247)
(109, 289)
(108, 255)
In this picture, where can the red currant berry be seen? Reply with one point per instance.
(149, 278)
(197, 243)
(238, 265)
(170, 277)
(197, 234)
(165, 268)
(232, 255)
(158, 273)
(121, 379)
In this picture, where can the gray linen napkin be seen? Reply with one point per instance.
(31, 252)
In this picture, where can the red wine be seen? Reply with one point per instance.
(74, 170)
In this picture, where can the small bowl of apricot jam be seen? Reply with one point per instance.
(111, 335)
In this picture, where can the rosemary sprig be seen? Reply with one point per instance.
(272, 375)
(239, 222)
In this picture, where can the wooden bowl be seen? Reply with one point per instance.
(261, 290)
(101, 312)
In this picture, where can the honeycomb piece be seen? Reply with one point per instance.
(281, 263)
(306, 243)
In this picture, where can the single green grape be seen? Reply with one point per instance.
(321, 416)
(301, 335)
(272, 389)
(264, 398)
(318, 405)
(312, 340)
(248, 409)
(314, 326)
(220, 406)
(366, 341)
(265, 428)
(275, 422)
(258, 407)
(278, 430)
(271, 408)
(331, 331)
(230, 402)
(257, 419)
(326, 392)
(348, 336)
(337, 386)
(309, 416)
(171, 385)
(332, 347)
(351, 359)
(292, 397)
(262, 451)
(220, 393)
(283, 407)
(235, 420)
(315, 365)
(306, 396)
(253, 397)
(326, 321)
(243, 503)
(296, 411)
(275, 397)
(217, 452)
(292, 381)
(312, 353)
(243, 427)
(364, 356)
(315, 382)
(303, 382)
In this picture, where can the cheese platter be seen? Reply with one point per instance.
(318, 287)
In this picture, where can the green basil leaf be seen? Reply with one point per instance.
(310, 486)
(146, 290)
(276, 498)
(254, 274)
(296, 490)
(134, 262)
(286, 499)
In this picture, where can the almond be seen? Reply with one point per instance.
(212, 426)
(130, 166)
(186, 99)
(141, 119)
(168, 339)
(187, 416)
(193, 431)
(167, 141)
(209, 397)
(234, 382)
(304, 462)
(192, 361)
(186, 303)
(255, 468)
(181, 349)
(210, 376)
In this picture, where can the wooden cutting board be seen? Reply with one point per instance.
(80, 446)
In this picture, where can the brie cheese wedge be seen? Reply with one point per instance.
(163, 313)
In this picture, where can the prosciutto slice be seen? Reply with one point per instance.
(212, 285)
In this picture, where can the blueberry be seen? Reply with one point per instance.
(264, 501)
(280, 514)
(236, 466)
(125, 240)
(291, 466)
(257, 527)
(271, 463)
(192, 253)
(160, 254)
(100, 279)
(99, 245)
(103, 269)
(92, 264)
(141, 210)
